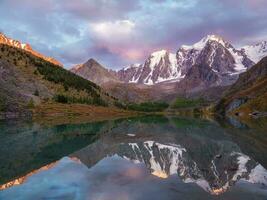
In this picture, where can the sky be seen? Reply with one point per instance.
(121, 32)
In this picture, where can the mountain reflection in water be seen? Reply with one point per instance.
(155, 158)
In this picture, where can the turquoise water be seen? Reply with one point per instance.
(25, 146)
(152, 157)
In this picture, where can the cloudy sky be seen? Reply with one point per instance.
(120, 32)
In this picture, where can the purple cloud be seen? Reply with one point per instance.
(119, 32)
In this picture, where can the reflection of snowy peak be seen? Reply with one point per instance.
(222, 172)
(213, 51)
(158, 164)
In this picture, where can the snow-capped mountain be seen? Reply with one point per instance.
(215, 52)
(160, 66)
(15, 43)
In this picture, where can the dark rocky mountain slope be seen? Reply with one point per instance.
(249, 93)
(93, 71)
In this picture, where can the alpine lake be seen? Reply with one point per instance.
(141, 158)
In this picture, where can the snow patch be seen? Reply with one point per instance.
(256, 52)
(238, 61)
(242, 161)
(202, 43)
(156, 57)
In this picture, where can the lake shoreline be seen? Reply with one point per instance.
(56, 113)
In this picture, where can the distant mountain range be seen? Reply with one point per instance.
(221, 59)
(213, 51)
(15, 43)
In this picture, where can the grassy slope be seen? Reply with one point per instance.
(251, 87)
(28, 81)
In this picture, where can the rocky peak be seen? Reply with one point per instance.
(89, 64)
(95, 72)
(15, 43)
(92, 62)
(204, 41)
(215, 52)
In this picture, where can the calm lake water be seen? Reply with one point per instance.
(151, 157)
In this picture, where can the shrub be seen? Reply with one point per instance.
(36, 93)
(30, 104)
(120, 105)
(61, 98)
(2, 104)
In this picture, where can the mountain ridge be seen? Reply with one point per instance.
(27, 47)
(212, 50)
